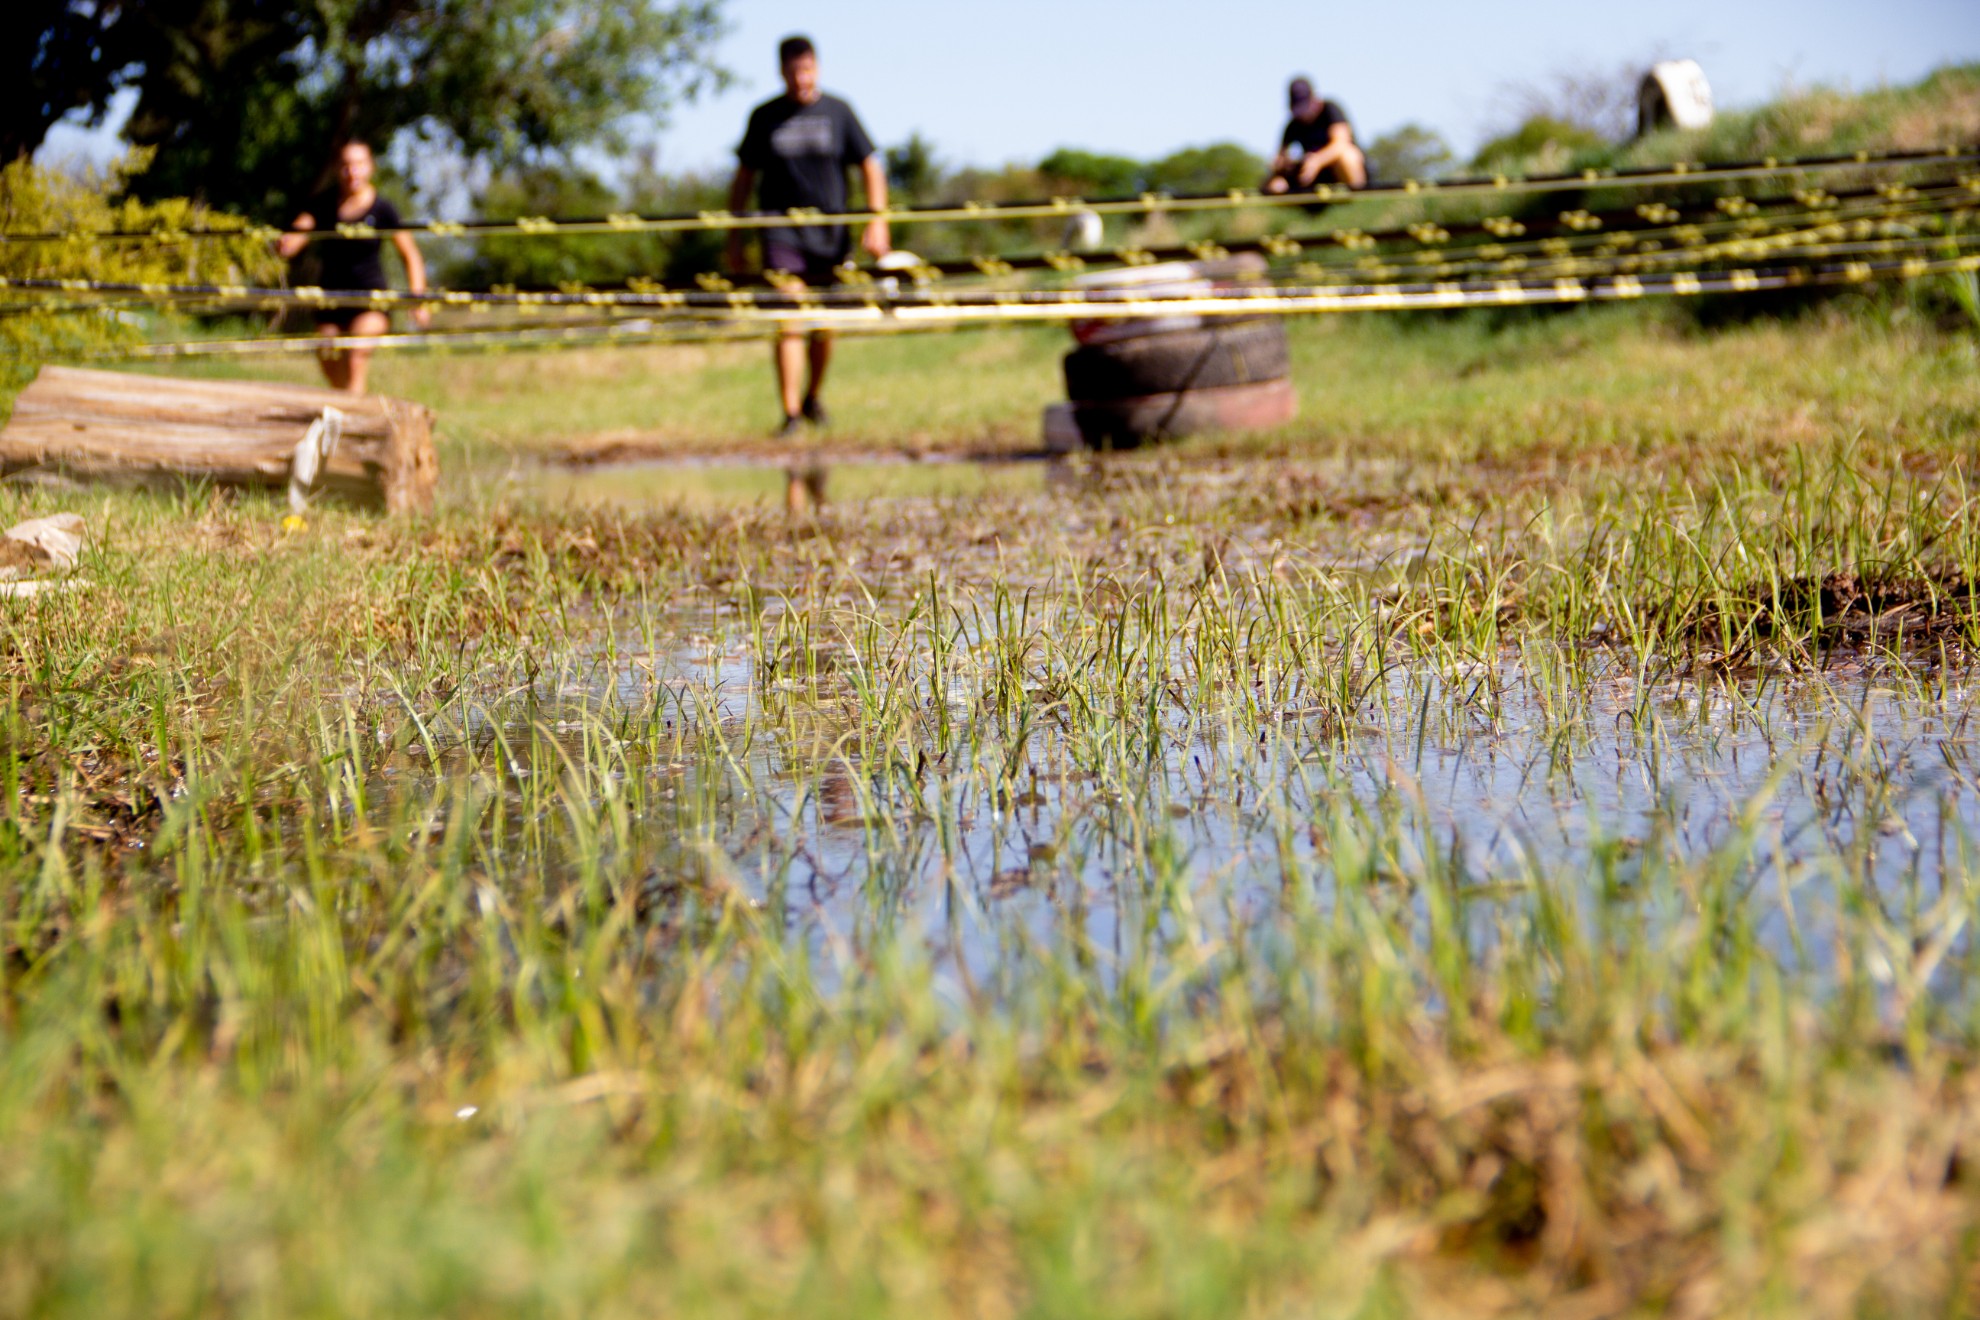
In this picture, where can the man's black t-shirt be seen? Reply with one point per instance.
(1311, 135)
(350, 263)
(800, 154)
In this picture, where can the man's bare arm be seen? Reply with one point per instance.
(740, 190)
(879, 238)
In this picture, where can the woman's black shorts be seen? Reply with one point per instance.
(341, 317)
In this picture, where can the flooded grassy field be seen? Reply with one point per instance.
(1502, 851)
(1236, 710)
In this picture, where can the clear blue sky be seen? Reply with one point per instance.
(988, 83)
(1012, 80)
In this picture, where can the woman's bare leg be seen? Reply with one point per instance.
(336, 365)
(358, 360)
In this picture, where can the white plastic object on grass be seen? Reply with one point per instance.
(58, 537)
(52, 543)
(311, 455)
(1084, 231)
(898, 259)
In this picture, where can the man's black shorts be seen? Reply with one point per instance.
(815, 270)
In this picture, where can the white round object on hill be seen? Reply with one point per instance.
(1673, 93)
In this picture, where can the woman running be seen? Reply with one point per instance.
(353, 263)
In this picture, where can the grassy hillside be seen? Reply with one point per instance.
(1941, 110)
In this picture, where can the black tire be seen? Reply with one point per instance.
(1234, 353)
(1124, 423)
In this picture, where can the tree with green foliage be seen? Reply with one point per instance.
(1540, 145)
(538, 261)
(913, 170)
(1218, 167)
(568, 192)
(244, 100)
(58, 57)
(1409, 152)
(1093, 173)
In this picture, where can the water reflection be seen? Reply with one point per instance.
(801, 482)
(1847, 786)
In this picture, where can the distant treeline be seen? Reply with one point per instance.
(917, 176)
(1568, 124)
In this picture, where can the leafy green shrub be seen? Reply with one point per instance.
(1215, 168)
(1409, 152)
(1093, 173)
(538, 261)
(37, 327)
(1540, 145)
(1207, 169)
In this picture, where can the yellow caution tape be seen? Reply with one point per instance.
(951, 312)
(1599, 249)
(1059, 207)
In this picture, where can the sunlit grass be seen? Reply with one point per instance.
(1594, 386)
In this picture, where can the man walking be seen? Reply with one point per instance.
(796, 152)
(1324, 141)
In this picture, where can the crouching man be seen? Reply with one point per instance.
(1317, 146)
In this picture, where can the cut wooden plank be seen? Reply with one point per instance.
(115, 426)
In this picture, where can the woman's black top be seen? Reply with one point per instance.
(350, 263)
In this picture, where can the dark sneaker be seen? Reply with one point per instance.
(814, 412)
(790, 430)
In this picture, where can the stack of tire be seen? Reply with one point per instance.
(1138, 380)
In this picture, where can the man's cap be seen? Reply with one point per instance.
(1300, 94)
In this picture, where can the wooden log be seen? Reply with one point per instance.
(120, 427)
